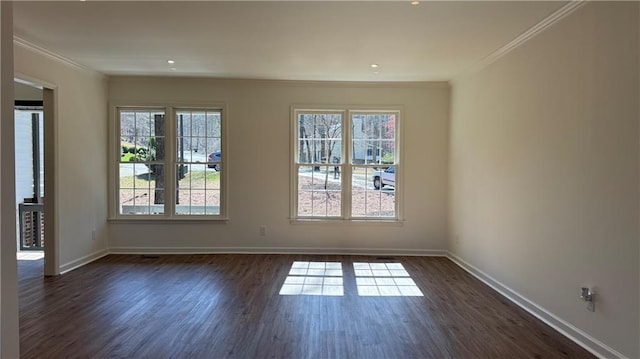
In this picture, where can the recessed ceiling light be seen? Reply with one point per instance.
(415, 3)
(375, 66)
(171, 62)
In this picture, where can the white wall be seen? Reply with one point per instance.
(544, 171)
(80, 152)
(26, 92)
(9, 339)
(259, 127)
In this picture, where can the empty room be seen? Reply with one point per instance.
(320, 179)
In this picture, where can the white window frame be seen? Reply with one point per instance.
(345, 164)
(170, 163)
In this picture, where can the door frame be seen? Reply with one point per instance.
(51, 174)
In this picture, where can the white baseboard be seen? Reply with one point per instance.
(68, 267)
(591, 344)
(276, 250)
(581, 338)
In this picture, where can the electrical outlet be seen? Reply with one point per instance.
(263, 231)
(588, 295)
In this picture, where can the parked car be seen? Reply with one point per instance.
(384, 178)
(213, 161)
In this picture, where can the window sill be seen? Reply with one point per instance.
(347, 222)
(169, 220)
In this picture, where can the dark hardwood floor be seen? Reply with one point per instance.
(229, 306)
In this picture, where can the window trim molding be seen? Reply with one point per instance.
(347, 111)
(170, 108)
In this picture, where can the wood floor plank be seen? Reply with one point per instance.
(229, 306)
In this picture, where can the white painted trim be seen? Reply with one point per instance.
(52, 55)
(536, 29)
(33, 81)
(75, 264)
(9, 302)
(346, 112)
(169, 108)
(294, 83)
(276, 250)
(51, 178)
(578, 336)
(586, 341)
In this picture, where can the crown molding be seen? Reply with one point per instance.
(52, 55)
(538, 28)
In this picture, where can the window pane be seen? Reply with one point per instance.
(373, 192)
(372, 126)
(357, 127)
(199, 134)
(373, 138)
(320, 161)
(333, 153)
(334, 204)
(137, 132)
(199, 145)
(319, 191)
(198, 191)
(212, 202)
(126, 201)
(388, 127)
(141, 201)
(149, 149)
(214, 129)
(212, 179)
(388, 152)
(183, 124)
(138, 190)
(127, 131)
(143, 159)
(213, 145)
(319, 137)
(141, 183)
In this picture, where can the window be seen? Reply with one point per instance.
(345, 164)
(158, 144)
(319, 164)
(199, 162)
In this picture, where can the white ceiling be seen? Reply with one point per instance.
(305, 40)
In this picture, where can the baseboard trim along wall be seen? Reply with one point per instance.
(276, 250)
(581, 338)
(75, 264)
(593, 345)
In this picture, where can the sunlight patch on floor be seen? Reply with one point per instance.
(314, 278)
(30, 255)
(384, 280)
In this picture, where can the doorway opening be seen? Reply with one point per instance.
(29, 154)
(34, 167)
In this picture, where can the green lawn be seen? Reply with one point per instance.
(195, 179)
(127, 157)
